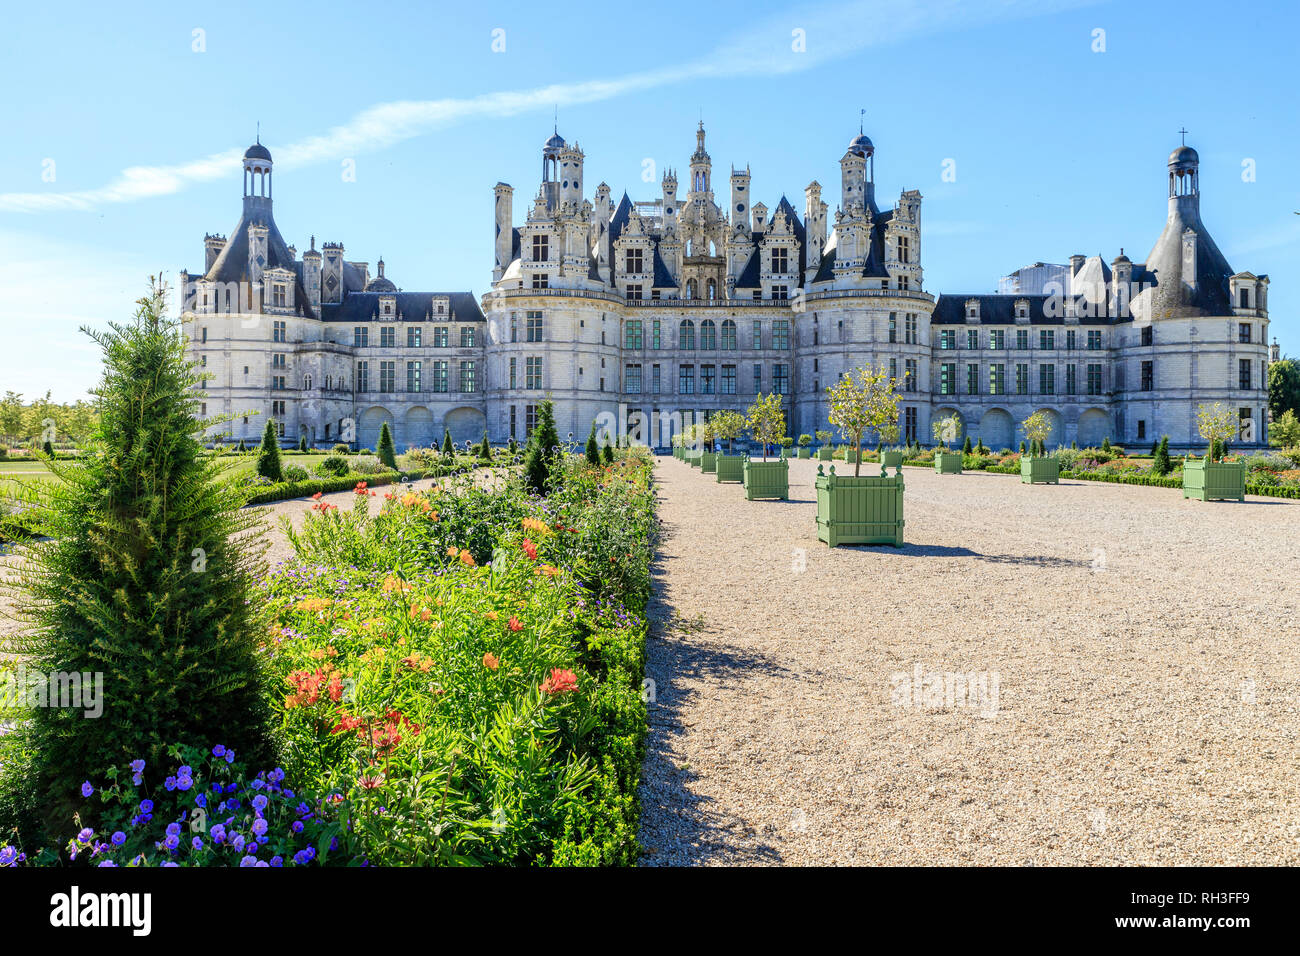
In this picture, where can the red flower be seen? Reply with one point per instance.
(514, 624)
(316, 496)
(560, 682)
(530, 549)
(360, 489)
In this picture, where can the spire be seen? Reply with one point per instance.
(1183, 133)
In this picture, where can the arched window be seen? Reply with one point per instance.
(708, 332)
(686, 334)
(713, 289)
(729, 334)
(690, 288)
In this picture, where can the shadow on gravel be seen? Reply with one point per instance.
(678, 825)
(943, 551)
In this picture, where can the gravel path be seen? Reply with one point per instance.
(1138, 653)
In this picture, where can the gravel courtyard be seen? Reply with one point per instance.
(1137, 655)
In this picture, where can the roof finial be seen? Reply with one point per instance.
(861, 119)
(556, 127)
(1183, 133)
(259, 132)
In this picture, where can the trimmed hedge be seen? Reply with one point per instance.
(1153, 481)
(285, 490)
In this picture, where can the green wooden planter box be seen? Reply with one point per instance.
(730, 467)
(767, 479)
(947, 463)
(787, 453)
(1206, 481)
(865, 510)
(707, 461)
(850, 455)
(805, 453)
(1040, 470)
(891, 459)
(693, 458)
(824, 454)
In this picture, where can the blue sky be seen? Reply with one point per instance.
(122, 138)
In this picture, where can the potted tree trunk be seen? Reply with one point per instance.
(861, 509)
(727, 426)
(1036, 466)
(708, 454)
(804, 441)
(1213, 477)
(824, 450)
(767, 479)
(945, 431)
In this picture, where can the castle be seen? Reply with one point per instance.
(648, 316)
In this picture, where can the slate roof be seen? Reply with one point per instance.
(231, 265)
(999, 309)
(364, 306)
(1164, 268)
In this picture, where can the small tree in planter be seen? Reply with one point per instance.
(1210, 477)
(764, 479)
(823, 445)
(787, 443)
(804, 441)
(1036, 466)
(946, 430)
(727, 426)
(708, 456)
(862, 399)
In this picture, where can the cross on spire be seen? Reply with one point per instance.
(861, 119)
(259, 132)
(1183, 133)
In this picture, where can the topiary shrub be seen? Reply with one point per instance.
(302, 444)
(332, 465)
(607, 453)
(448, 449)
(593, 452)
(268, 454)
(543, 444)
(385, 450)
(340, 449)
(148, 579)
(295, 473)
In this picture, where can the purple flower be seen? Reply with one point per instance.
(172, 842)
(277, 861)
(185, 771)
(297, 826)
(119, 838)
(201, 800)
(173, 829)
(8, 856)
(230, 756)
(219, 833)
(170, 783)
(137, 766)
(137, 779)
(237, 841)
(251, 848)
(260, 802)
(184, 783)
(259, 828)
(86, 789)
(197, 843)
(146, 806)
(169, 863)
(107, 863)
(248, 861)
(219, 750)
(85, 835)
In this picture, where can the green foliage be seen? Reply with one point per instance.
(1285, 431)
(592, 451)
(384, 450)
(268, 453)
(1022, 448)
(448, 449)
(332, 465)
(1160, 464)
(241, 447)
(341, 449)
(485, 447)
(147, 577)
(302, 443)
(1105, 443)
(805, 440)
(607, 453)
(966, 447)
(543, 446)
(766, 420)
(1284, 387)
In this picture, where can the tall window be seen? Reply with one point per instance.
(534, 326)
(655, 380)
(632, 334)
(278, 333)
(728, 335)
(910, 337)
(948, 378)
(634, 261)
(910, 379)
(1022, 378)
(686, 334)
(1022, 339)
(728, 380)
(781, 333)
(708, 335)
(1148, 335)
(541, 280)
(686, 380)
(708, 379)
(1047, 379)
(277, 295)
(893, 326)
(781, 379)
(387, 374)
(514, 372)
(780, 259)
(467, 375)
(541, 251)
(414, 336)
(1072, 380)
(1094, 339)
(1047, 338)
(530, 419)
(997, 379)
(413, 376)
(1243, 374)
(758, 377)
(360, 336)
(387, 337)
(655, 341)
(1149, 375)
(533, 371)
(277, 360)
(972, 339)
(514, 327)
(904, 249)
(363, 376)
(1094, 378)
(632, 379)
(440, 383)
(972, 379)
(467, 336)
(1243, 332)
(909, 423)
(997, 338)
(757, 341)
(440, 337)
(948, 339)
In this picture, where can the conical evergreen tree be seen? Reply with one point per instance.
(593, 452)
(485, 447)
(302, 444)
(607, 453)
(448, 449)
(147, 577)
(966, 446)
(543, 444)
(1162, 465)
(242, 447)
(268, 454)
(385, 450)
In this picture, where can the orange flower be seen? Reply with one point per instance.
(453, 551)
(539, 528)
(395, 584)
(530, 549)
(360, 488)
(420, 613)
(316, 497)
(313, 604)
(560, 682)
(514, 624)
(467, 559)
(491, 615)
(549, 570)
(490, 661)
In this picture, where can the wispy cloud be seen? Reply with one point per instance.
(830, 31)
